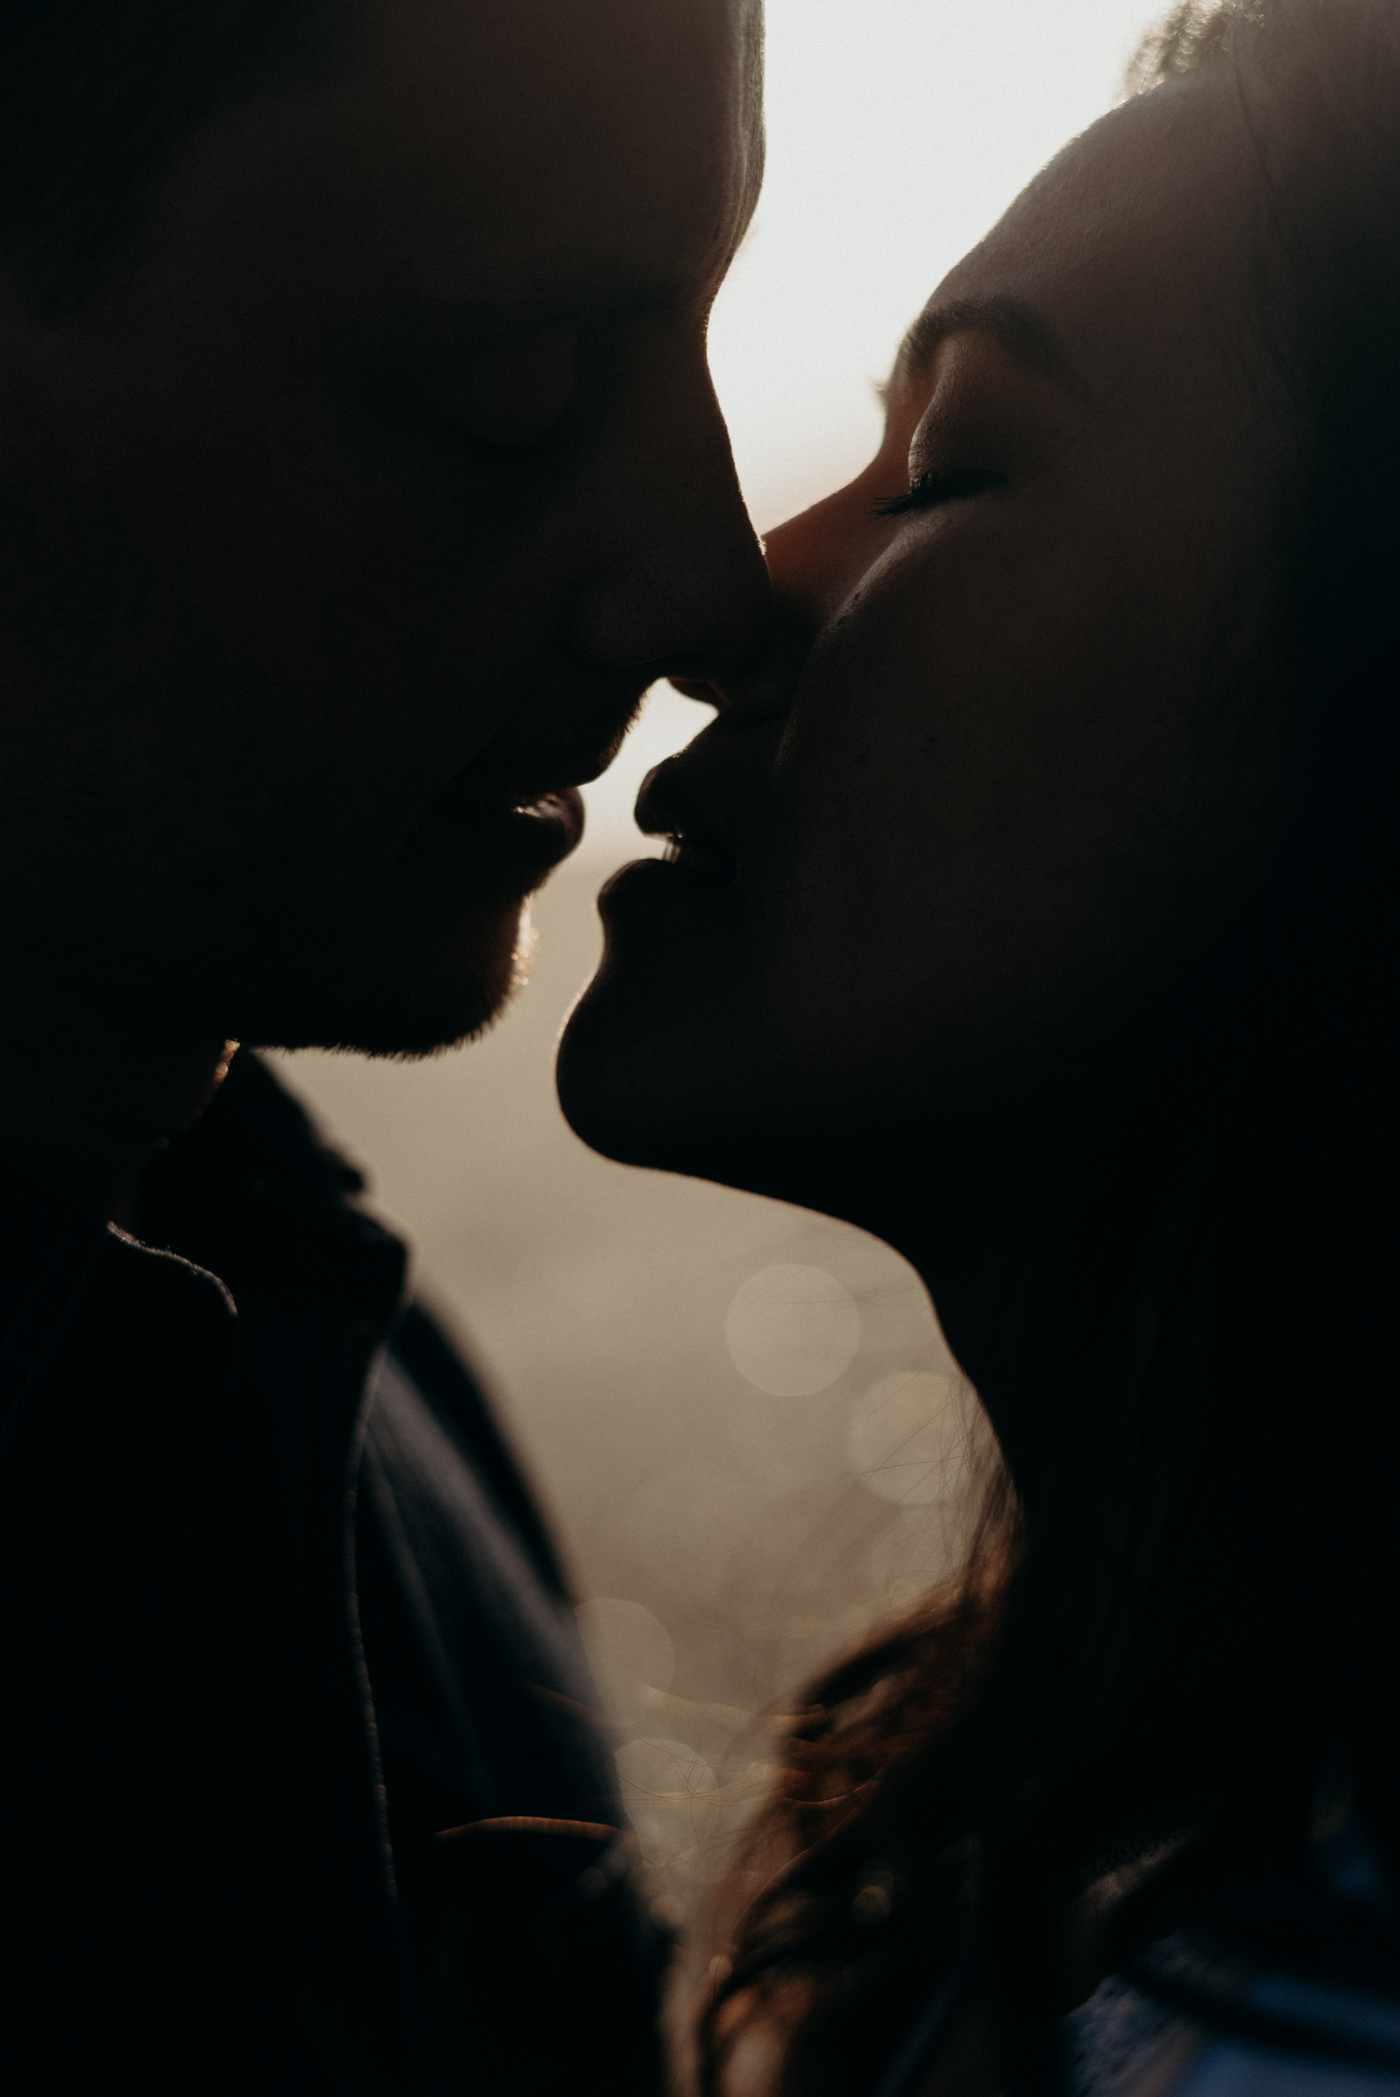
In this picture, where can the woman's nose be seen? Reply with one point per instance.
(814, 558)
(760, 681)
(812, 561)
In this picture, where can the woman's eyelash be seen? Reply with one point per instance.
(935, 487)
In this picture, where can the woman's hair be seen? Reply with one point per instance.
(1177, 1622)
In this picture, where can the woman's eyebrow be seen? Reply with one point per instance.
(1016, 327)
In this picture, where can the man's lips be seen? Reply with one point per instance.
(549, 824)
(514, 833)
(561, 806)
(518, 793)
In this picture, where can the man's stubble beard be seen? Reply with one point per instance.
(255, 961)
(124, 724)
(399, 1012)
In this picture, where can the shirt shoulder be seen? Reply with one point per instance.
(1276, 2034)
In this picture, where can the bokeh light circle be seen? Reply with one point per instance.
(792, 1331)
(907, 1437)
(672, 1797)
(629, 1651)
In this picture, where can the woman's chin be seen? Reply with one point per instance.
(618, 1082)
(645, 1082)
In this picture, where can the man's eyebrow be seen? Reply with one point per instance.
(1016, 327)
(545, 297)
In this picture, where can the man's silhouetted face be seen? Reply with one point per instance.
(346, 522)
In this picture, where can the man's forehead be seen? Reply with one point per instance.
(455, 166)
(541, 81)
(572, 146)
(451, 284)
(563, 293)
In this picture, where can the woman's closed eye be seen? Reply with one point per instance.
(939, 485)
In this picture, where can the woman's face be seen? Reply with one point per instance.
(1009, 774)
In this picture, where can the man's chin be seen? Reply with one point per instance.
(405, 1006)
(390, 1038)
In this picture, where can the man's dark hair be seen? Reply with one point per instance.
(95, 98)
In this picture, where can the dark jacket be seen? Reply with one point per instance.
(277, 1612)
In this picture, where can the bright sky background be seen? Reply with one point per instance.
(898, 132)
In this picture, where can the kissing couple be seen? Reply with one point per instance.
(1024, 902)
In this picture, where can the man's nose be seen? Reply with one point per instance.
(679, 585)
(812, 563)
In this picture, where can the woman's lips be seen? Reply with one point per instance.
(684, 885)
(694, 858)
